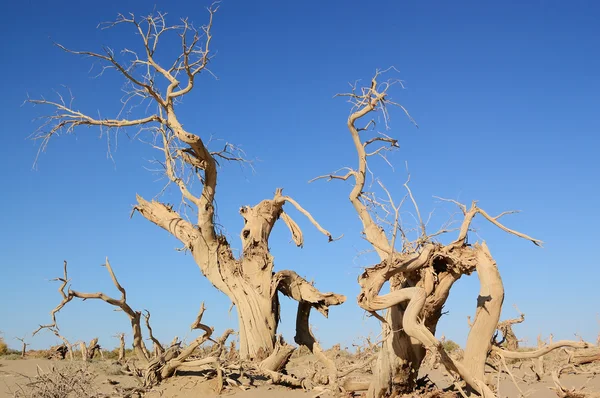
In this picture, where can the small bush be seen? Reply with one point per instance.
(112, 355)
(450, 346)
(3, 347)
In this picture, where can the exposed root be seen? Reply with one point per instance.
(279, 357)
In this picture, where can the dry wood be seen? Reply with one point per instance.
(509, 339)
(587, 356)
(92, 348)
(157, 347)
(248, 279)
(166, 362)
(24, 346)
(422, 272)
(542, 351)
(121, 357)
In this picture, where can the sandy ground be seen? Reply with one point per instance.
(15, 374)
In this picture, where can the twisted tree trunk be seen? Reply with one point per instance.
(248, 281)
(257, 322)
(487, 315)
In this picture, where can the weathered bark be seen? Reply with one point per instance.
(280, 356)
(398, 360)
(249, 281)
(487, 315)
(305, 337)
(401, 357)
(257, 322)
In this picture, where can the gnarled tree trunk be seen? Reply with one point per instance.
(248, 281)
(257, 322)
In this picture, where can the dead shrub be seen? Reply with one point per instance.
(71, 381)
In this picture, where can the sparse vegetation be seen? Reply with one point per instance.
(450, 346)
(69, 382)
(419, 265)
(3, 346)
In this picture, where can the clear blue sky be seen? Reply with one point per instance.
(505, 93)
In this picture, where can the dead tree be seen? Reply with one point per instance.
(157, 347)
(248, 280)
(154, 369)
(509, 339)
(84, 352)
(121, 357)
(24, 346)
(53, 327)
(59, 352)
(420, 271)
(92, 348)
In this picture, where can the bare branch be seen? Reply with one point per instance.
(309, 216)
(541, 351)
(109, 57)
(158, 348)
(65, 299)
(294, 286)
(334, 176)
(193, 67)
(412, 198)
(473, 211)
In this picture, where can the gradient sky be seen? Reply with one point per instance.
(505, 94)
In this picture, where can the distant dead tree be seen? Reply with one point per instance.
(24, 346)
(121, 357)
(420, 271)
(509, 339)
(249, 280)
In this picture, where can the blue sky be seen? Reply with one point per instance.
(505, 94)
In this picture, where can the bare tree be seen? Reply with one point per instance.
(24, 346)
(420, 271)
(153, 368)
(248, 280)
(121, 357)
(509, 339)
